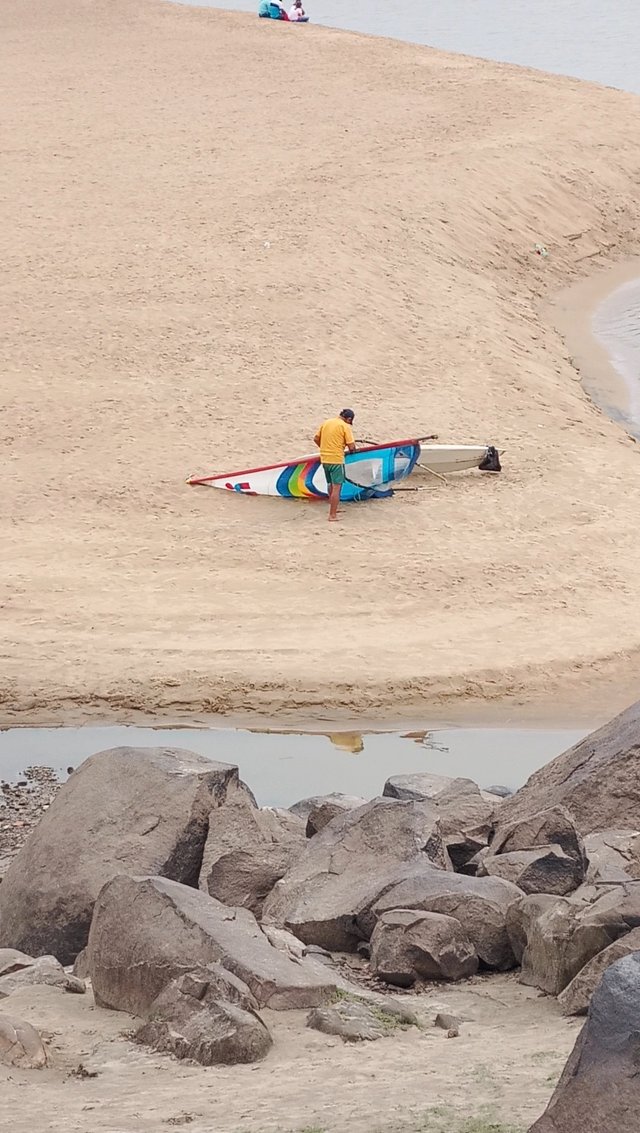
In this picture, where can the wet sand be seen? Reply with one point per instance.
(577, 313)
(217, 233)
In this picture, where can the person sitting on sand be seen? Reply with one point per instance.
(333, 438)
(296, 11)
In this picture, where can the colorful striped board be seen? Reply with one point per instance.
(369, 468)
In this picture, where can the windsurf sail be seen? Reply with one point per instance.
(369, 468)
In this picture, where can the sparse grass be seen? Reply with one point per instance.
(444, 1119)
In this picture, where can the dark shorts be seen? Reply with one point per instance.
(334, 473)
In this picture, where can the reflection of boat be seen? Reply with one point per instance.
(425, 740)
(367, 470)
(347, 741)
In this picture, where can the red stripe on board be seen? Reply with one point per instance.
(299, 460)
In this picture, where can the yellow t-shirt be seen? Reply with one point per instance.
(334, 436)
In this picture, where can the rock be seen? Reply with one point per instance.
(176, 929)
(597, 780)
(564, 937)
(520, 917)
(546, 869)
(421, 785)
(11, 960)
(347, 866)
(599, 1088)
(188, 1020)
(407, 945)
(354, 1021)
(44, 970)
(81, 966)
(447, 1022)
(465, 820)
(246, 877)
(614, 855)
(327, 808)
(243, 825)
(576, 997)
(480, 904)
(21, 1045)
(551, 827)
(138, 810)
(500, 791)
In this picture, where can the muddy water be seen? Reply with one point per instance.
(284, 767)
(616, 326)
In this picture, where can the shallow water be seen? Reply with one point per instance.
(597, 40)
(616, 325)
(281, 768)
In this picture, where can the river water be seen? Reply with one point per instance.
(597, 40)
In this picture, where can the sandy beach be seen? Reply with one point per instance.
(217, 232)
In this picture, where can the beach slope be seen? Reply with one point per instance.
(217, 232)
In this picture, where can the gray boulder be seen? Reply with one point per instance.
(44, 970)
(188, 1020)
(480, 904)
(347, 866)
(176, 929)
(551, 827)
(614, 856)
(599, 1090)
(245, 878)
(137, 810)
(596, 780)
(326, 808)
(547, 869)
(576, 997)
(242, 826)
(418, 786)
(521, 915)
(408, 944)
(565, 936)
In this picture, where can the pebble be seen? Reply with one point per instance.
(22, 805)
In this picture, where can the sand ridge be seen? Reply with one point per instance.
(218, 232)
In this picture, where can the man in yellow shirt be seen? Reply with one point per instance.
(333, 438)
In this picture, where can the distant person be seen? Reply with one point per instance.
(277, 11)
(264, 11)
(333, 438)
(297, 12)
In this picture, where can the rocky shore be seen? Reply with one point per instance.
(154, 885)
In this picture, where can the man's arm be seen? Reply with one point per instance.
(349, 442)
(316, 439)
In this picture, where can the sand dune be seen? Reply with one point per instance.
(218, 231)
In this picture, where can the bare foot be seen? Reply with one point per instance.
(333, 519)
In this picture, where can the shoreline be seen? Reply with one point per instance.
(168, 341)
(571, 312)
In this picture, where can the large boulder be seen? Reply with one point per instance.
(614, 856)
(11, 960)
(480, 904)
(241, 825)
(126, 810)
(189, 1020)
(347, 866)
(599, 1089)
(418, 786)
(355, 1021)
(565, 935)
(576, 997)
(596, 780)
(551, 827)
(175, 929)
(408, 944)
(546, 869)
(520, 917)
(246, 877)
(327, 807)
(466, 819)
